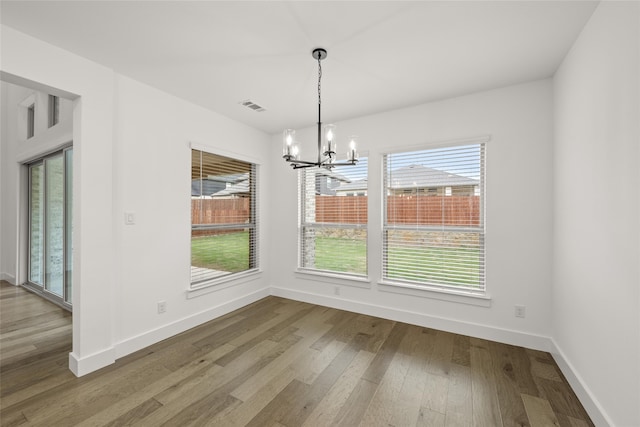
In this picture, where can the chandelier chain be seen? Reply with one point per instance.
(319, 79)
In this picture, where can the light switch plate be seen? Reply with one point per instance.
(129, 218)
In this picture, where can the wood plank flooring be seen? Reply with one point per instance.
(278, 362)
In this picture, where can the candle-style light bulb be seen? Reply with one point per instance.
(351, 154)
(330, 137)
(288, 142)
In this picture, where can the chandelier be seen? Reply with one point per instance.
(327, 153)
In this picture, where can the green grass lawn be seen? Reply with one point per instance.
(225, 252)
(434, 265)
(341, 255)
(230, 252)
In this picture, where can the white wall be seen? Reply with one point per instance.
(152, 178)
(131, 153)
(31, 62)
(8, 196)
(9, 174)
(596, 292)
(518, 203)
(3, 137)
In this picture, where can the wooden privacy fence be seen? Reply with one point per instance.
(341, 209)
(219, 211)
(421, 210)
(434, 210)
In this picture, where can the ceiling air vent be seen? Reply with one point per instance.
(252, 105)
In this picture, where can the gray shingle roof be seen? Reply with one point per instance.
(415, 176)
(418, 176)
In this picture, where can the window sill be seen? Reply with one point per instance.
(334, 278)
(462, 297)
(215, 285)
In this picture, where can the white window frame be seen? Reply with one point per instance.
(356, 279)
(205, 286)
(434, 290)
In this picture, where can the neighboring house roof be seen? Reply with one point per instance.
(241, 187)
(214, 185)
(415, 176)
(332, 174)
(360, 184)
(205, 187)
(418, 176)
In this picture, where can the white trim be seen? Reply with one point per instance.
(587, 399)
(231, 154)
(451, 295)
(55, 143)
(156, 335)
(507, 336)
(8, 278)
(224, 282)
(93, 362)
(28, 100)
(333, 278)
(442, 143)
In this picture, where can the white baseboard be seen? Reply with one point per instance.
(84, 365)
(8, 278)
(588, 400)
(148, 338)
(507, 336)
(93, 362)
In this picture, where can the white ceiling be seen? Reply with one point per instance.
(381, 54)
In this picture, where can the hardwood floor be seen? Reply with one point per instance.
(278, 363)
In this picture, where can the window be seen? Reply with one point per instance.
(435, 238)
(333, 219)
(31, 120)
(224, 234)
(54, 110)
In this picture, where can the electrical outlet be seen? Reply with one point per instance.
(162, 307)
(336, 290)
(520, 311)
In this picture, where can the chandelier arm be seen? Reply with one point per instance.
(302, 162)
(345, 163)
(310, 165)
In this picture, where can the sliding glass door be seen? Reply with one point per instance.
(50, 225)
(36, 224)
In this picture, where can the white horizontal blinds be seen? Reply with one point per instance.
(333, 219)
(223, 216)
(434, 217)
